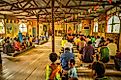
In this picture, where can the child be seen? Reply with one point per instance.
(72, 72)
(53, 70)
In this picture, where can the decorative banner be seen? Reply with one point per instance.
(9, 28)
(2, 29)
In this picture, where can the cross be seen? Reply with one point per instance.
(22, 27)
(113, 24)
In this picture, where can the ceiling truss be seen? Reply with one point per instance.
(62, 9)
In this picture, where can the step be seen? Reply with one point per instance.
(108, 72)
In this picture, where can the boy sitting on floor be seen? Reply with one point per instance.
(72, 72)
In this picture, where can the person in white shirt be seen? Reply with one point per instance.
(70, 45)
(97, 41)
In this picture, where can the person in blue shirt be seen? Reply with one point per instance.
(65, 58)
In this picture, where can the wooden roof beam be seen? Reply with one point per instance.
(26, 3)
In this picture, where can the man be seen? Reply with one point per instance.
(104, 54)
(64, 59)
(112, 48)
(69, 45)
(88, 53)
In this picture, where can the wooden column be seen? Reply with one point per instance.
(53, 29)
(120, 37)
(66, 28)
(37, 25)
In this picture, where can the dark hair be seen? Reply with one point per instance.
(72, 61)
(15, 38)
(98, 36)
(53, 57)
(75, 78)
(82, 39)
(7, 41)
(99, 68)
(108, 39)
(111, 40)
(67, 48)
(8, 37)
(89, 42)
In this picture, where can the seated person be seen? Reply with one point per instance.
(88, 52)
(69, 45)
(63, 42)
(16, 44)
(23, 46)
(82, 44)
(8, 48)
(99, 71)
(104, 54)
(65, 58)
(72, 72)
(53, 70)
(112, 48)
(117, 60)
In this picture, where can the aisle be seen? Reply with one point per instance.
(29, 65)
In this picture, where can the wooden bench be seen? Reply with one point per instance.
(19, 52)
(42, 42)
(87, 71)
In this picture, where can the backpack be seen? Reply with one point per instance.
(53, 74)
(104, 51)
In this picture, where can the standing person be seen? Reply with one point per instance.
(112, 48)
(72, 72)
(88, 53)
(53, 70)
(20, 37)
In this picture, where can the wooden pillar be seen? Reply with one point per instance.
(37, 25)
(120, 37)
(66, 28)
(53, 29)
